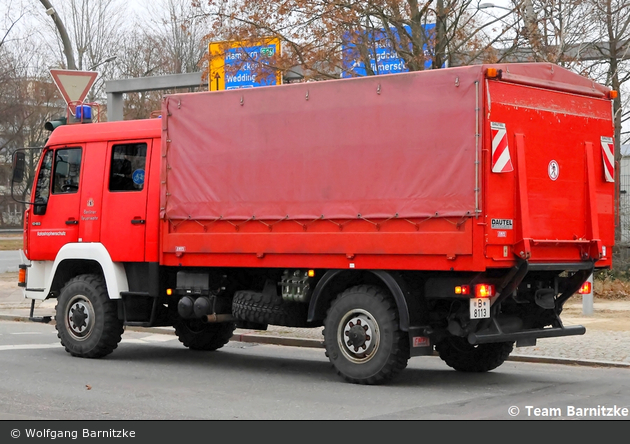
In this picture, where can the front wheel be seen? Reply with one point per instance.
(459, 354)
(86, 319)
(362, 337)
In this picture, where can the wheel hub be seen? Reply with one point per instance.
(359, 336)
(80, 318)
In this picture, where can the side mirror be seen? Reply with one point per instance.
(19, 166)
(39, 206)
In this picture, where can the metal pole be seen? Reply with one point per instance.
(587, 299)
(67, 46)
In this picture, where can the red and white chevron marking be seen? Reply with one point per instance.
(608, 155)
(501, 162)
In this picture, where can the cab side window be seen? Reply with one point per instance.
(127, 167)
(42, 189)
(67, 170)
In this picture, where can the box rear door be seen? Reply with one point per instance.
(548, 197)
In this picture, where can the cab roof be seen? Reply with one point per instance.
(105, 131)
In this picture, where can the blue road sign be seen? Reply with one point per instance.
(138, 177)
(383, 57)
(242, 67)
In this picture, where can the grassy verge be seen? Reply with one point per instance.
(611, 288)
(11, 242)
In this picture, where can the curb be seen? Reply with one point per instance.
(567, 361)
(314, 343)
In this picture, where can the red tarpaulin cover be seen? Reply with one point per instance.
(376, 147)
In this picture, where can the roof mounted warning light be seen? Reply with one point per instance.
(494, 73)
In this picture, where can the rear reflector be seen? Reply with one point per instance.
(585, 288)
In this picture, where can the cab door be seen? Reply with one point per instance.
(54, 219)
(123, 226)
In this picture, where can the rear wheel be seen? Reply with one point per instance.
(198, 335)
(461, 355)
(86, 319)
(362, 337)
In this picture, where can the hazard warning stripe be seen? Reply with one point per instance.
(501, 161)
(608, 155)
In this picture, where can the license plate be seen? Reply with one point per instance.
(479, 308)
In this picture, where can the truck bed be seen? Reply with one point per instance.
(389, 172)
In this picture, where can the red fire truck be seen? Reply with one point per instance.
(453, 210)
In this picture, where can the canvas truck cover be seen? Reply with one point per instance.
(374, 147)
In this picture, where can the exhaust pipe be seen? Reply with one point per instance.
(212, 318)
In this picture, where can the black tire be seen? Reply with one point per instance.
(86, 318)
(265, 308)
(459, 354)
(362, 336)
(198, 335)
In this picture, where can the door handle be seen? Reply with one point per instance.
(137, 221)
(72, 222)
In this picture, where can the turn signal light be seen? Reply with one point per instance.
(169, 292)
(22, 277)
(585, 288)
(612, 94)
(484, 290)
(462, 289)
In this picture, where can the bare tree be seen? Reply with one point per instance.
(613, 21)
(176, 29)
(28, 99)
(95, 28)
(63, 34)
(139, 57)
(321, 37)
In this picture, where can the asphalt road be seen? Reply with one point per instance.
(153, 377)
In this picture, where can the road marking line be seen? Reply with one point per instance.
(158, 338)
(28, 346)
(133, 341)
(27, 333)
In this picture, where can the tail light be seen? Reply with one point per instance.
(484, 290)
(462, 289)
(585, 288)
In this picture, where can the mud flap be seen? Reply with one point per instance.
(419, 342)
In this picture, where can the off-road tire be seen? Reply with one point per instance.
(86, 318)
(459, 354)
(362, 336)
(265, 308)
(204, 336)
